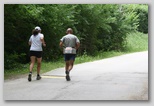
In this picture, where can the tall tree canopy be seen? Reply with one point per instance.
(100, 27)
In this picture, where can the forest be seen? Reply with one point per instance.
(100, 27)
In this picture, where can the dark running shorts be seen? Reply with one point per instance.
(38, 54)
(69, 57)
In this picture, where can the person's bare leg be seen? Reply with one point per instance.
(39, 60)
(39, 65)
(71, 63)
(32, 58)
(67, 71)
(66, 65)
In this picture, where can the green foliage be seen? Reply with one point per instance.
(142, 11)
(143, 18)
(136, 42)
(123, 21)
(13, 60)
(100, 27)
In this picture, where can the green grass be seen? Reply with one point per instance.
(135, 42)
(100, 55)
(45, 67)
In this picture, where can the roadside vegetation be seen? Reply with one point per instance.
(104, 30)
(136, 42)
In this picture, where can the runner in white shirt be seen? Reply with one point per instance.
(36, 41)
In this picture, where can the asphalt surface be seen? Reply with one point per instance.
(119, 78)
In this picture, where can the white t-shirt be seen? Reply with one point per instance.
(36, 44)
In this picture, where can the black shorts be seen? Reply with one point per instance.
(69, 57)
(37, 54)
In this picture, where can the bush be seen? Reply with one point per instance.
(136, 41)
(14, 60)
(100, 27)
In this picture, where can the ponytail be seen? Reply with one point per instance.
(35, 32)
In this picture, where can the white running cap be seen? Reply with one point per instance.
(37, 28)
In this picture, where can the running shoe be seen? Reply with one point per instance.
(67, 72)
(38, 77)
(68, 77)
(30, 77)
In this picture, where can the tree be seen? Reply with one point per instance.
(100, 27)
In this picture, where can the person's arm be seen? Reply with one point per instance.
(61, 44)
(77, 45)
(30, 41)
(43, 42)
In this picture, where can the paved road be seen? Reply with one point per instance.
(119, 78)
